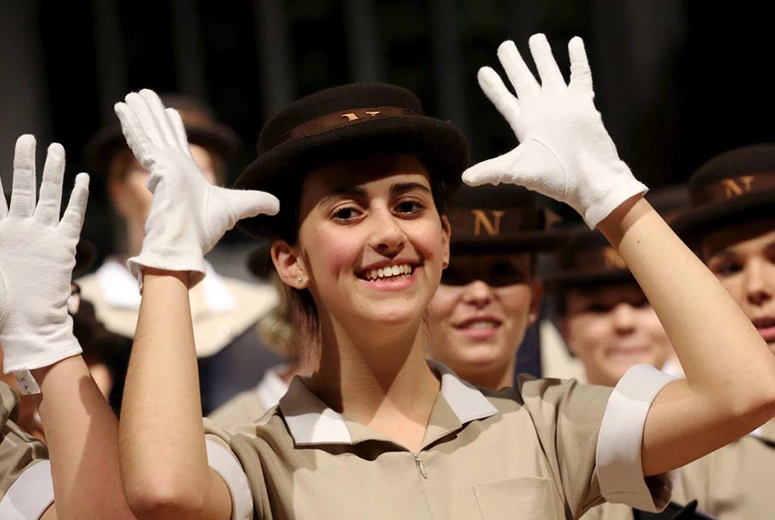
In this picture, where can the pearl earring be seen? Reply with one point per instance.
(300, 279)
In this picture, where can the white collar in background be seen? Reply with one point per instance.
(121, 291)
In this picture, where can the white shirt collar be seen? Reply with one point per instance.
(121, 291)
(272, 387)
(310, 421)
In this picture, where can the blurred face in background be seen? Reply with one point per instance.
(743, 258)
(479, 315)
(611, 328)
(129, 184)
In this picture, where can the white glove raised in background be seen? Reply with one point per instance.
(188, 214)
(565, 151)
(37, 256)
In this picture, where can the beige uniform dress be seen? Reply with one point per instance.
(547, 449)
(735, 482)
(248, 406)
(26, 487)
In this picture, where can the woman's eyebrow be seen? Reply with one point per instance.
(349, 191)
(403, 187)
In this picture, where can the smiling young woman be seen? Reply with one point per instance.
(378, 431)
(732, 225)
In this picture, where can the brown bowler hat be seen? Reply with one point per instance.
(201, 129)
(738, 185)
(591, 259)
(501, 219)
(340, 122)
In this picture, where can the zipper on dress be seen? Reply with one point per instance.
(420, 466)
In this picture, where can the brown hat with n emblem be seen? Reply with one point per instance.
(738, 185)
(501, 219)
(339, 123)
(590, 259)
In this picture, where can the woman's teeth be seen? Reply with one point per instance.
(481, 325)
(394, 271)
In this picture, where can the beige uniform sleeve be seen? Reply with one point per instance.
(222, 459)
(26, 487)
(592, 438)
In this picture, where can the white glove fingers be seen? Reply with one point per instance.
(23, 194)
(148, 123)
(72, 220)
(50, 202)
(491, 171)
(551, 77)
(180, 130)
(159, 114)
(138, 142)
(517, 71)
(248, 203)
(496, 91)
(580, 74)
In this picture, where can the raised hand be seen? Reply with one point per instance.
(565, 151)
(37, 256)
(188, 214)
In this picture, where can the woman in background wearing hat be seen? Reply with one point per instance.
(731, 224)
(606, 320)
(225, 310)
(37, 258)
(278, 334)
(377, 432)
(490, 292)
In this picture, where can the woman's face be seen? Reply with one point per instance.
(371, 241)
(743, 259)
(130, 195)
(611, 328)
(480, 312)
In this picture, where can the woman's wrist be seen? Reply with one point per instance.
(151, 273)
(620, 220)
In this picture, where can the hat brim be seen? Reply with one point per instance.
(101, 149)
(694, 223)
(529, 242)
(280, 171)
(587, 277)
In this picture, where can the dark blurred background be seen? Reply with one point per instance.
(676, 81)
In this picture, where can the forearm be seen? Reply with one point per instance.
(730, 372)
(82, 436)
(163, 457)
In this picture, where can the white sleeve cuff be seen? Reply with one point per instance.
(31, 495)
(225, 464)
(619, 444)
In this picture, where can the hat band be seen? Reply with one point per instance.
(338, 120)
(732, 187)
(487, 223)
(604, 258)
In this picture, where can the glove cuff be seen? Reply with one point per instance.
(193, 263)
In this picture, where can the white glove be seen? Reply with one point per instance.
(565, 151)
(37, 257)
(188, 214)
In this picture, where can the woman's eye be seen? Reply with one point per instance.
(726, 268)
(597, 308)
(345, 214)
(409, 207)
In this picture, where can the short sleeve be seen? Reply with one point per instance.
(592, 437)
(619, 465)
(222, 460)
(26, 486)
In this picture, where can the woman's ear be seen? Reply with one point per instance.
(446, 231)
(289, 264)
